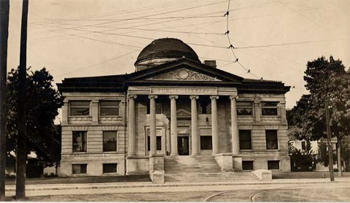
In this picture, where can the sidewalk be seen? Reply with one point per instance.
(116, 185)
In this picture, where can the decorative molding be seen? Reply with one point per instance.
(80, 128)
(82, 118)
(184, 74)
(110, 128)
(115, 118)
(271, 127)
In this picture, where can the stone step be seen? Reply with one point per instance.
(211, 177)
(190, 164)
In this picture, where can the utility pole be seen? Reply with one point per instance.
(4, 28)
(21, 139)
(330, 149)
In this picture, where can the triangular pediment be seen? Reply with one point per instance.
(184, 70)
(183, 74)
(181, 113)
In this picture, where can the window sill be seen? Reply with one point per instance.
(272, 150)
(246, 150)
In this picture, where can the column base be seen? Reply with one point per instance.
(174, 154)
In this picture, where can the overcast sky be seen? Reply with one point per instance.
(273, 39)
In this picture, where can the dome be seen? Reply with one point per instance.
(162, 51)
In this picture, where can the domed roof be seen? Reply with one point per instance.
(163, 49)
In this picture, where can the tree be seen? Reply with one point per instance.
(42, 104)
(325, 80)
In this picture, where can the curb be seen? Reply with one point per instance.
(147, 184)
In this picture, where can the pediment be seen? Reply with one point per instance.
(183, 74)
(184, 70)
(181, 113)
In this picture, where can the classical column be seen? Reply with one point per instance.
(131, 125)
(94, 111)
(173, 125)
(214, 124)
(257, 109)
(282, 109)
(194, 124)
(152, 133)
(65, 113)
(234, 127)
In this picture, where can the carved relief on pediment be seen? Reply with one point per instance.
(184, 74)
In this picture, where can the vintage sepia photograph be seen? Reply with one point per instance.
(175, 101)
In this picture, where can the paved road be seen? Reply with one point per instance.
(276, 190)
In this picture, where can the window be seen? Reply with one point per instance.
(269, 108)
(245, 139)
(247, 165)
(79, 108)
(273, 165)
(271, 139)
(79, 168)
(206, 143)
(159, 143)
(109, 168)
(109, 108)
(79, 141)
(109, 141)
(244, 108)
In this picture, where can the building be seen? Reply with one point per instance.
(172, 106)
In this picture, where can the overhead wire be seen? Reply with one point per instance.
(93, 65)
(231, 47)
(154, 14)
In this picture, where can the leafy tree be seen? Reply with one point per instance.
(42, 104)
(325, 80)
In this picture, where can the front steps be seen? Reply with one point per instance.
(188, 169)
(190, 164)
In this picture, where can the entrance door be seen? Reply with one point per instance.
(183, 145)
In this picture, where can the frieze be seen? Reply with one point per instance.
(184, 90)
(184, 74)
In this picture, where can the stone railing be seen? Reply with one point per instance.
(156, 168)
(263, 174)
(224, 160)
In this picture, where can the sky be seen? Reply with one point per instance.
(273, 39)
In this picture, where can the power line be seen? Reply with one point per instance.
(155, 14)
(288, 44)
(86, 67)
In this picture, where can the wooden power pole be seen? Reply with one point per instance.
(330, 149)
(21, 139)
(4, 25)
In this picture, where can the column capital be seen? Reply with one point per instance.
(132, 96)
(173, 97)
(152, 96)
(214, 97)
(233, 97)
(194, 97)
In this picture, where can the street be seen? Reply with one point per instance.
(278, 191)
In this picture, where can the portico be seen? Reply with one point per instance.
(173, 93)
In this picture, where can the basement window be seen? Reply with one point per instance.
(110, 168)
(79, 168)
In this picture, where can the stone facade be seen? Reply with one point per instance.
(126, 124)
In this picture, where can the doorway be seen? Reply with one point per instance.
(183, 145)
